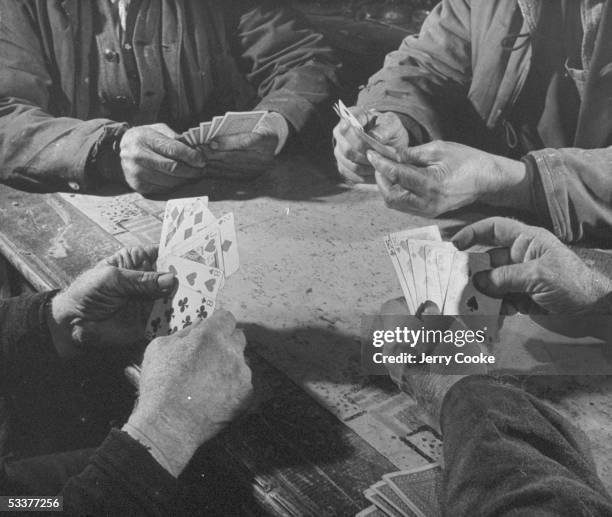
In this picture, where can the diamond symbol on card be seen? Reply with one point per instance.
(210, 247)
(191, 278)
(188, 233)
(226, 245)
(198, 218)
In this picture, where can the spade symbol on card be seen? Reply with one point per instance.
(472, 304)
(191, 277)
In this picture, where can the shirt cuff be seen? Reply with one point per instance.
(131, 466)
(103, 164)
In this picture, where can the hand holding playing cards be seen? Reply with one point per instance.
(350, 149)
(106, 306)
(533, 262)
(437, 177)
(192, 385)
(153, 161)
(243, 155)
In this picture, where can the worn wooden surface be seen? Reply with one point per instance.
(312, 262)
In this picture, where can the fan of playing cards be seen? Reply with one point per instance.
(430, 269)
(362, 131)
(409, 493)
(233, 122)
(202, 252)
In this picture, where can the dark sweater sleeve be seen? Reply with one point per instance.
(24, 336)
(508, 453)
(122, 478)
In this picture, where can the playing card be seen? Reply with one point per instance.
(204, 248)
(462, 298)
(418, 488)
(407, 288)
(388, 494)
(235, 122)
(204, 130)
(444, 260)
(345, 114)
(214, 124)
(177, 312)
(173, 217)
(416, 248)
(194, 216)
(194, 136)
(381, 503)
(425, 233)
(371, 511)
(201, 278)
(229, 244)
(432, 278)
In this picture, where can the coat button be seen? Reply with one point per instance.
(111, 56)
(74, 185)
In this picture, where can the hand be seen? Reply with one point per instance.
(422, 381)
(533, 262)
(153, 161)
(437, 177)
(350, 150)
(192, 385)
(140, 258)
(108, 305)
(248, 155)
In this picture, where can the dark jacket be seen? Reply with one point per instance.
(206, 58)
(119, 478)
(462, 53)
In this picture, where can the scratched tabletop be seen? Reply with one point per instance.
(312, 264)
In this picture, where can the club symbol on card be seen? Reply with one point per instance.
(168, 314)
(210, 247)
(202, 314)
(472, 304)
(191, 278)
(172, 330)
(226, 245)
(183, 305)
(187, 321)
(210, 284)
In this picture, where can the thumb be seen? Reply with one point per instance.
(164, 129)
(145, 284)
(500, 281)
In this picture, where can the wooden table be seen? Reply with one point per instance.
(312, 262)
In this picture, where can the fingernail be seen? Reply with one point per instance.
(214, 145)
(371, 155)
(166, 282)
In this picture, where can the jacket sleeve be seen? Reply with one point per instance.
(289, 63)
(24, 336)
(122, 478)
(572, 192)
(506, 453)
(39, 148)
(428, 75)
